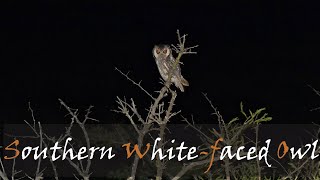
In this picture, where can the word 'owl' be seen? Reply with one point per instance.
(165, 62)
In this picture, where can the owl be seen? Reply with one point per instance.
(165, 62)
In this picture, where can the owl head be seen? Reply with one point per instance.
(161, 51)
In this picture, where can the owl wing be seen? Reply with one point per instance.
(177, 73)
(171, 61)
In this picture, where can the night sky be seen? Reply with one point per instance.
(264, 54)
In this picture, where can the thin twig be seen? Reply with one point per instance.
(137, 84)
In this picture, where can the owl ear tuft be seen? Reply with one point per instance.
(165, 51)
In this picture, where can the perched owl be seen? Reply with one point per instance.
(165, 62)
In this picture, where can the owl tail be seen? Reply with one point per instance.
(181, 82)
(180, 86)
(184, 81)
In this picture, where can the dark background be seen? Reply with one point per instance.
(262, 53)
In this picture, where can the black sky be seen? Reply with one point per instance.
(262, 53)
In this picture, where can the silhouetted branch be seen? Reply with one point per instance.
(135, 83)
(157, 108)
(188, 167)
(83, 172)
(318, 93)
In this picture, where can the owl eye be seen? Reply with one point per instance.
(158, 51)
(165, 51)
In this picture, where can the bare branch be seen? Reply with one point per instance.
(123, 109)
(74, 116)
(314, 90)
(3, 174)
(39, 174)
(137, 84)
(171, 104)
(157, 108)
(192, 125)
(189, 167)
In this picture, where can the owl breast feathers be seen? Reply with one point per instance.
(166, 62)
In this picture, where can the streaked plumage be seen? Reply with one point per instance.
(165, 62)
